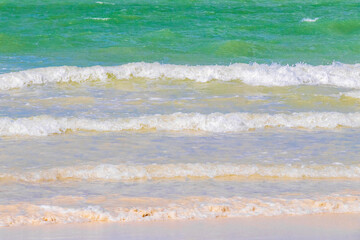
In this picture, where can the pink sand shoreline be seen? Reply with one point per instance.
(325, 226)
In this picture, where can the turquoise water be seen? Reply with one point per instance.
(85, 33)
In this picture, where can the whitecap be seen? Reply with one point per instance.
(99, 19)
(309, 19)
(105, 3)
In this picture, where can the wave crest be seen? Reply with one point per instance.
(336, 74)
(215, 122)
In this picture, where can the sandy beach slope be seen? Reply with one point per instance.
(334, 226)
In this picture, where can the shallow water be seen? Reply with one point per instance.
(223, 126)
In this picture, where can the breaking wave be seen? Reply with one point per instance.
(336, 74)
(215, 122)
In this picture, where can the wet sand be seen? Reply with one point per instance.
(328, 226)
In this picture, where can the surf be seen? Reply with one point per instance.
(213, 123)
(335, 74)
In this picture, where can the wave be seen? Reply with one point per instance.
(186, 208)
(336, 74)
(215, 123)
(108, 172)
(309, 19)
(100, 19)
(105, 3)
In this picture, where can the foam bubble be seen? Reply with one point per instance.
(215, 122)
(336, 74)
(107, 172)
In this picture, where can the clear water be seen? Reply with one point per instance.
(139, 142)
(86, 33)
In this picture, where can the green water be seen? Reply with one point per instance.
(40, 33)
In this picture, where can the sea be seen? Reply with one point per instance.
(131, 111)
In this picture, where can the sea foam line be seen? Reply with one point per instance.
(186, 208)
(108, 172)
(215, 123)
(309, 19)
(100, 19)
(105, 3)
(336, 74)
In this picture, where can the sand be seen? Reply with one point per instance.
(330, 226)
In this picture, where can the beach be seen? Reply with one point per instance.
(179, 119)
(303, 227)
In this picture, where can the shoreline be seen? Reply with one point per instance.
(324, 226)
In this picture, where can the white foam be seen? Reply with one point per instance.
(352, 94)
(215, 122)
(100, 19)
(186, 208)
(107, 172)
(105, 3)
(309, 19)
(336, 74)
